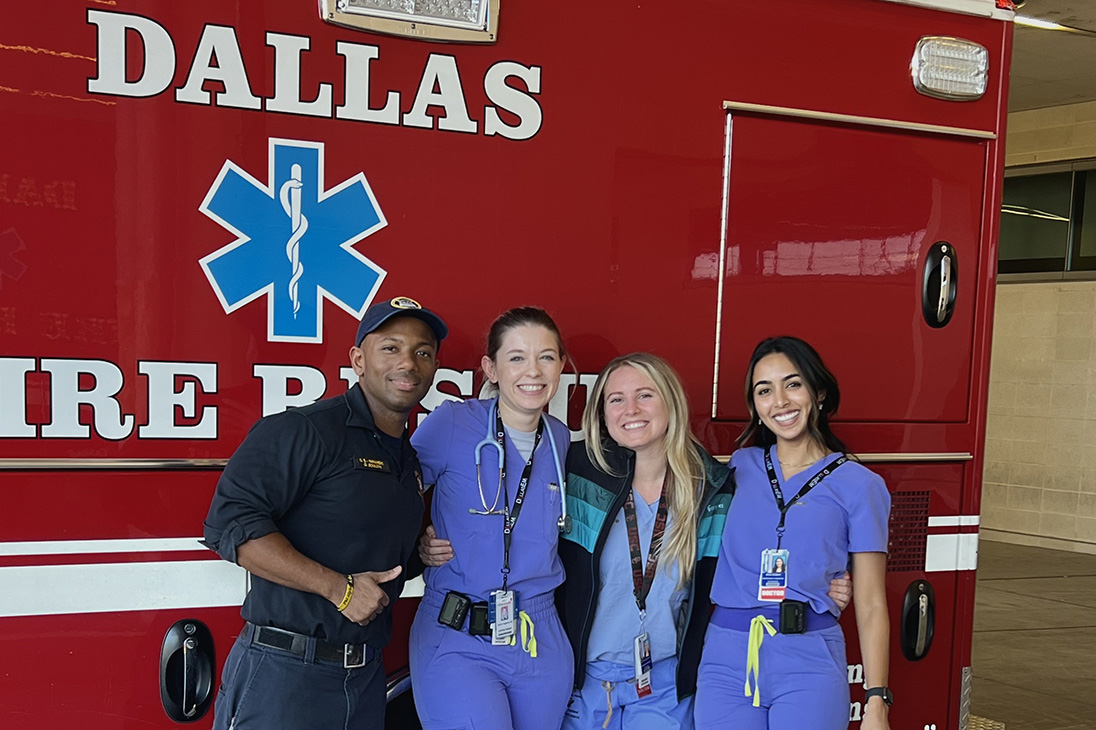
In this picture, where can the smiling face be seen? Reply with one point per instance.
(526, 369)
(782, 399)
(395, 365)
(635, 413)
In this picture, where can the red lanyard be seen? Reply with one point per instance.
(642, 580)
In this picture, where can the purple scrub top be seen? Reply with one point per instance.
(446, 444)
(847, 512)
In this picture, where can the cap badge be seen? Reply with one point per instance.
(405, 303)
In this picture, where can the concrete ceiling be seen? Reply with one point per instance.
(1050, 68)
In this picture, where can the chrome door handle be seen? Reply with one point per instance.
(945, 288)
(922, 624)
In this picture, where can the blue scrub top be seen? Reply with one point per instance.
(616, 621)
(847, 512)
(446, 443)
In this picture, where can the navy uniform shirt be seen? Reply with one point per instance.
(322, 476)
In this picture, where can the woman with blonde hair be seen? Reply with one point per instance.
(649, 505)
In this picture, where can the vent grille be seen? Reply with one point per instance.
(909, 524)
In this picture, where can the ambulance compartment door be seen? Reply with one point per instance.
(853, 237)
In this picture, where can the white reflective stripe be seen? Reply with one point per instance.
(413, 588)
(42, 590)
(77, 547)
(954, 521)
(951, 552)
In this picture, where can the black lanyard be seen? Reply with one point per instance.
(641, 581)
(511, 518)
(779, 494)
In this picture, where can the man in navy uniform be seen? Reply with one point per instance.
(323, 505)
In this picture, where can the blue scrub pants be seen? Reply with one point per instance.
(607, 684)
(263, 688)
(462, 682)
(803, 680)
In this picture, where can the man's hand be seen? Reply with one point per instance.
(841, 591)
(433, 550)
(369, 598)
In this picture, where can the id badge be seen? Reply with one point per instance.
(773, 583)
(642, 659)
(502, 618)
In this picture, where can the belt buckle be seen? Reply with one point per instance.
(353, 656)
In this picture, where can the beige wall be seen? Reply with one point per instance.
(1040, 476)
(1039, 484)
(1052, 134)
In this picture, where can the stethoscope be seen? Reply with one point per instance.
(564, 521)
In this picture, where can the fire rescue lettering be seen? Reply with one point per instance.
(218, 58)
(79, 399)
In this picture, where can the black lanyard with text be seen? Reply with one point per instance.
(779, 494)
(511, 518)
(642, 580)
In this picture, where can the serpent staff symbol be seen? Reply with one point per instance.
(290, 196)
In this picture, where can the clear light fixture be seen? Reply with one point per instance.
(467, 21)
(950, 68)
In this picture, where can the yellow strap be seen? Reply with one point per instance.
(348, 595)
(528, 638)
(608, 687)
(758, 627)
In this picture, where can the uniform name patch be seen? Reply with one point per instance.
(372, 464)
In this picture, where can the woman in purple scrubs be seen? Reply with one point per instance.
(800, 505)
(487, 647)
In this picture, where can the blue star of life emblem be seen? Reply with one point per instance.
(293, 241)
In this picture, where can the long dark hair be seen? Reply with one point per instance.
(820, 382)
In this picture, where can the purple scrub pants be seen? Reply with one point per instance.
(803, 680)
(462, 682)
(660, 710)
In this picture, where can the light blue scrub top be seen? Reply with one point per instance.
(446, 443)
(847, 512)
(616, 621)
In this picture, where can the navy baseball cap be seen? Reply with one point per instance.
(381, 312)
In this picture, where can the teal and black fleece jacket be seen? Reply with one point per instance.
(594, 499)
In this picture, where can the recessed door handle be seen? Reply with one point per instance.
(187, 663)
(939, 284)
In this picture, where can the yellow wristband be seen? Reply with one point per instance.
(348, 595)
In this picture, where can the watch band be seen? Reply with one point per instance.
(882, 693)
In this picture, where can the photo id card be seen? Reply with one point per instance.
(773, 583)
(502, 610)
(643, 664)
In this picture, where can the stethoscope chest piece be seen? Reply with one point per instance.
(565, 523)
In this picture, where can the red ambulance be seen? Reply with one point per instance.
(198, 199)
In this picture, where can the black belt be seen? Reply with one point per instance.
(350, 656)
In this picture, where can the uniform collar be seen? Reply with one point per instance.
(620, 459)
(360, 415)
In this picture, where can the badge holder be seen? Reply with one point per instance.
(642, 660)
(502, 615)
(772, 586)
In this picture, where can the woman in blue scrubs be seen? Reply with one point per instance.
(649, 505)
(641, 479)
(802, 502)
(487, 648)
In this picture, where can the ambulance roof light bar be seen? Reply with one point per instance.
(950, 68)
(455, 21)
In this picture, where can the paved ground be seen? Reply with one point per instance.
(1035, 638)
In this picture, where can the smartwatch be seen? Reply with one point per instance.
(883, 693)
